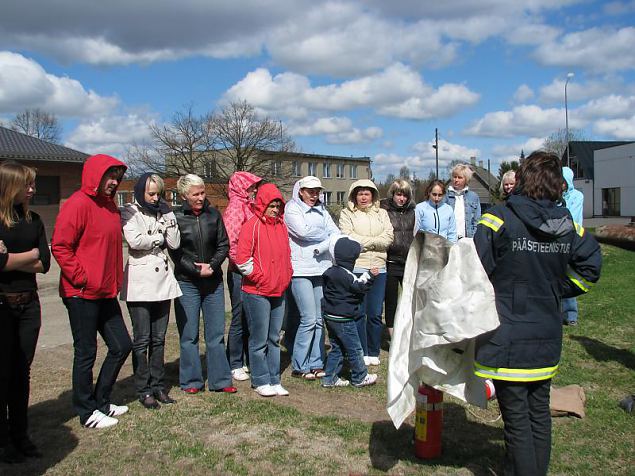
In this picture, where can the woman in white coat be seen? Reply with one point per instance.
(149, 227)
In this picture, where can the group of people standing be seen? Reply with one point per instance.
(280, 255)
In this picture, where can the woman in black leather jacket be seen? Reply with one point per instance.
(197, 267)
(401, 209)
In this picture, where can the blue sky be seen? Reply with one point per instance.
(356, 77)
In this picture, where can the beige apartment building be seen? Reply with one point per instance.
(337, 173)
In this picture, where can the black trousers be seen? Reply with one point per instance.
(525, 410)
(149, 325)
(87, 318)
(19, 331)
(392, 297)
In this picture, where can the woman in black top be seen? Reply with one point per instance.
(400, 206)
(23, 252)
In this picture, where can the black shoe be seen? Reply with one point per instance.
(149, 402)
(164, 397)
(10, 454)
(27, 448)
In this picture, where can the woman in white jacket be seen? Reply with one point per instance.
(364, 221)
(310, 228)
(149, 227)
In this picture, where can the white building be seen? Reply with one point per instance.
(614, 183)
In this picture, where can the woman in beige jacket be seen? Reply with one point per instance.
(364, 221)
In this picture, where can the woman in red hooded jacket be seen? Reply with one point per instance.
(264, 259)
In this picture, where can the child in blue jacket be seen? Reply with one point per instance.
(341, 306)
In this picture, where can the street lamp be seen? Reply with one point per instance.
(566, 115)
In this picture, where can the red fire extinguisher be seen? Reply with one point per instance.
(429, 422)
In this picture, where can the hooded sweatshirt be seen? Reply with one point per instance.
(309, 231)
(574, 199)
(369, 226)
(343, 290)
(263, 255)
(87, 241)
(238, 209)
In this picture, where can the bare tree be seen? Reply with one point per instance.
(184, 145)
(38, 123)
(245, 141)
(404, 172)
(556, 142)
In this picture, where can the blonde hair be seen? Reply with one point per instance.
(159, 181)
(463, 170)
(506, 176)
(184, 183)
(400, 186)
(14, 177)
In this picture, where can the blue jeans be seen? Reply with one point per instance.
(237, 337)
(87, 318)
(211, 299)
(569, 310)
(344, 341)
(370, 325)
(149, 325)
(264, 317)
(291, 320)
(308, 348)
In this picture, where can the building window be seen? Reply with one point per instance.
(313, 168)
(121, 199)
(326, 170)
(340, 198)
(340, 171)
(354, 171)
(328, 198)
(209, 169)
(276, 168)
(296, 169)
(611, 202)
(47, 190)
(175, 198)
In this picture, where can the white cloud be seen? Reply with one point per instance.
(523, 94)
(509, 152)
(620, 129)
(25, 84)
(577, 90)
(397, 91)
(337, 130)
(528, 120)
(607, 107)
(596, 49)
(531, 34)
(110, 134)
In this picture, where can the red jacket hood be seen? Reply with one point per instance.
(94, 169)
(267, 193)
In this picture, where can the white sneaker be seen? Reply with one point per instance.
(240, 375)
(117, 410)
(280, 390)
(340, 382)
(245, 369)
(265, 391)
(366, 360)
(370, 379)
(99, 420)
(373, 361)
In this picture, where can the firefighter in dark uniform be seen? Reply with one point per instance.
(534, 255)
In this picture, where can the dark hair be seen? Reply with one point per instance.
(430, 186)
(540, 177)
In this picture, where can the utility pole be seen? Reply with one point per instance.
(436, 151)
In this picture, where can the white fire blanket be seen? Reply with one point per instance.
(446, 302)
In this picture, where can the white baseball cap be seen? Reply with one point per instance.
(310, 182)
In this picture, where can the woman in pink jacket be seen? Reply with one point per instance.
(264, 259)
(241, 190)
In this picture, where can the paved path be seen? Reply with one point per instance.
(55, 327)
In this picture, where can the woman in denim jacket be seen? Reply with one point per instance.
(467, 215)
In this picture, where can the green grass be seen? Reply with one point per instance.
(338, 431)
